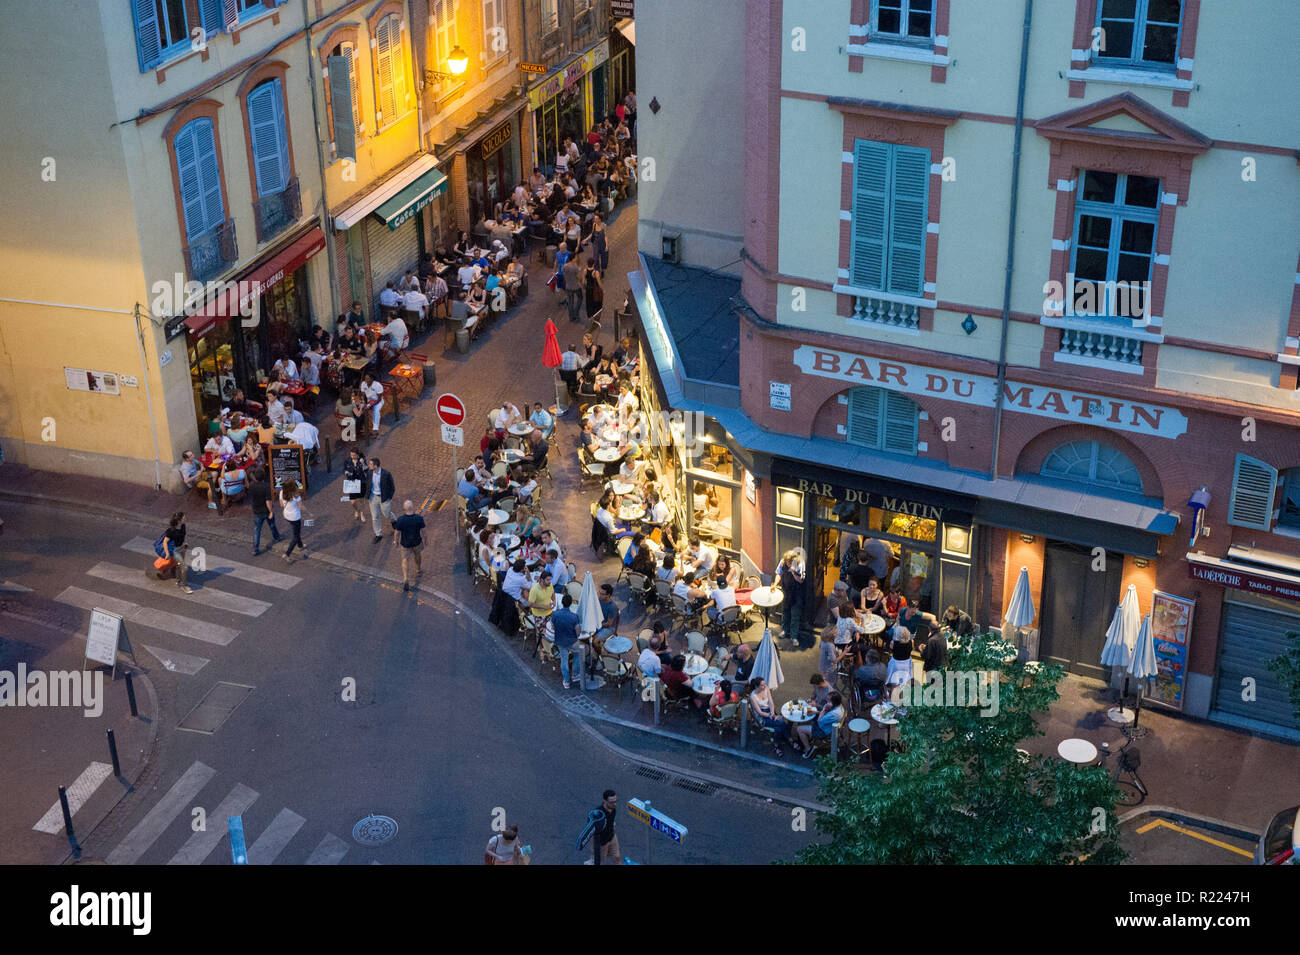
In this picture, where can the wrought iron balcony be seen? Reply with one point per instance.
(880, 312)
(1101, 347)
(276, 212)
(212, 253)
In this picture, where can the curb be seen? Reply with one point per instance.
(1190, 819)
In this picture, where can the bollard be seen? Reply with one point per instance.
(130, 695)
(658, 684)
(744, 723)
(835, 742)
(397, 412)
(329, 456)
(112, 751)
(67, 820)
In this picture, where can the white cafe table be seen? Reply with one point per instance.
(496, 517)
(767, 598)
(622, 487)
(695, 665)
(872, 624)
(617, 645)
(522, 428)
(512, 455)
(798, 711)
(1077, 751)
(888, 722)
(606, 455)
(705, 683)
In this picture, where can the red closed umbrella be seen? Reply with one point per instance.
(551, 350)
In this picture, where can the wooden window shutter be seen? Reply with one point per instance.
(266, 123)
(342, 89)
(900, 424)
(870, 213)
(864, 417)
(908, 220)
(147, 45)
(1254, 484)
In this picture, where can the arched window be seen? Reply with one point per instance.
(1091, 462)
(200, 178)
(883, 420)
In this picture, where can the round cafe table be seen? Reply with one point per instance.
(631, 512)
(797, 712)
(522, 428)
(621, 487)
(695, 665)
(512, 455)
(888, 722)
(872, 624)
(705, 683)
(508, 543)
(1077, 751)
(767, 598)
(609, 436)
(496, 517)
(607, 455)
(617, 645)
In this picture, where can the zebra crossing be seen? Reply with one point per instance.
(122, 588)
(166, 833)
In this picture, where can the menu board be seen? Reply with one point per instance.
(1171, 626)
(287, 464)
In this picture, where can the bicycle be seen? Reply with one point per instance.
(1132, 790)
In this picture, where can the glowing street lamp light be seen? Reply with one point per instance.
(457, 64)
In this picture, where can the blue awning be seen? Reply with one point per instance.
(412, 199)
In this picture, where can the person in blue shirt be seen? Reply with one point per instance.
(542, 420)
(564, 623)
(829, 717)
(472, 494)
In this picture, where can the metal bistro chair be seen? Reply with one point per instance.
(681, 611)
(614, 669)
(663, 591)
(697, 642)
(726, 623)
(638, 586)
(548, 654)
(624, 545)
(643, 638)
(591, 471)
(727, 719)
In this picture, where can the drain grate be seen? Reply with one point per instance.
(695, 786)
(375, 830)
(215, 708)
(647, 773)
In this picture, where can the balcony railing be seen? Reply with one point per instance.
(212, 253)
(275, 213)
(1101, 347)
(880, 312)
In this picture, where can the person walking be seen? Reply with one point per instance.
(504, 849)
(171, 546)
(792, 575)
(605, 842)
(291, 502)
(599, 242)
(594, 289)
(355, 478)
(572, 285)
(259, 496)
(408, 530)
(380, 490)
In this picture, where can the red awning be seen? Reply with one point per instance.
(230, 298)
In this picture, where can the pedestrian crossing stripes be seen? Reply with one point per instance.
(81, 790)
(178, 662)
(199, 847)
(149, 617)
(217, 599)
(216, 564)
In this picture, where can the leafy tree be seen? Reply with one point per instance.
(961, 793)
(1287, 668)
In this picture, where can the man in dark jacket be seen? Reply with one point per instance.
(259, 494)
(958, 621)
(380, 490)
(935, 652)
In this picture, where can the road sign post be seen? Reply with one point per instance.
(655, 821)
(451, 412)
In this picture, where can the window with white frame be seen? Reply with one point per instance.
(495, 41)
(392, 97)
(882, 420)
(891, 187)
(162, 29)
(443, 19)
(1091, 462)
(1115, 219)
(1139, 33)
(906, 20)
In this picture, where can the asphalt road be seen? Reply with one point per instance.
(444, 731)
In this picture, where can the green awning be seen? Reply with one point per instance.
(412, 199)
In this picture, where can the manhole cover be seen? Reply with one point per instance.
(375, 830)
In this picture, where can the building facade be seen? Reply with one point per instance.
(963, 288)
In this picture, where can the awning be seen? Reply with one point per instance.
(412, 199)
(628, 29)
(1248, 577)
(372, 200)
(235, 297)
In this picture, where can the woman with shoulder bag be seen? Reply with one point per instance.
(504, 849)
(291, 504)
(354, 476)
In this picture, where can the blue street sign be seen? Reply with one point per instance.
(656, 820)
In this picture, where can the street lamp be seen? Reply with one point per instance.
(457, 63)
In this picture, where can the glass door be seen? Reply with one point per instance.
(823, 570)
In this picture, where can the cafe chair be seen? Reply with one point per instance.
(663, 591)
(482, 572)
(726, 623)
(548, 654)
(614, 669)
(574, 589)
(756, 725)
(823, 744)
(643, 638)
(572, 568)
(591, 472)
(623, 546)
(681, 610)
(638, 586)
(728, 718)
(696, 642)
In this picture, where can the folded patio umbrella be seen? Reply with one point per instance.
(1143, 664)
(589, 615)
(767, 664)
(1123, 631)
(1020, 610)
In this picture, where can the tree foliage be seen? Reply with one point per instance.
(1287, 668)
(962, 794)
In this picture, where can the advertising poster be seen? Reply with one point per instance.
(102, 382)
(1171, 627)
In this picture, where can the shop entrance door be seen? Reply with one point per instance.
(1078, 604)
(823, 571)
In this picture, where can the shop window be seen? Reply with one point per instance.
(789, 504)
(902, 524)
(1290, 514)
(1091, 462)
(883, 420)
(718, 459)
(841, 512)
(1141, 33)
(711, 513)
(1114, 244)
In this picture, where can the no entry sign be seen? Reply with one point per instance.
(451, 410)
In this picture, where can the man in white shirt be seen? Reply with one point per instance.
(306, 434)
(389, 298)
(703, 557)
(514, 583)
(275, 411)
(286, 366)
(607, 519)
(467, 274)
(396, 331)
(220, 444)
(559, 572)
(415, 302)
(721, 597)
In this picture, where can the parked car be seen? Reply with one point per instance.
(1280, 843)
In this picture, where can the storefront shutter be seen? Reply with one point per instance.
(900, 423)
(343, 105)
(908, 219)
(1251, 637)
(865, 415)
(270, 149)
(1254, 483)
(146, 34)
(870, 212)
(392, 252)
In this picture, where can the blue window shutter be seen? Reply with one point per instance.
(187, 169)
(209, 172)
(900, 423)
(908, 219)
(282, 133)
(146, 34)
(1254, 483)
(211, 16)
(864, 417)
(870, 213)
(265, 121)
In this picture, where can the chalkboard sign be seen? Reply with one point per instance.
(105, 638)
(288, 464)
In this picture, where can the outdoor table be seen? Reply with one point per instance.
(604, 381)
(1077, 751)
(797, 712)
(705, 683)
(496, 517)
(872, 624)
(607, 455)
(695, 665)
(521, 429)
(621, 487)
(408, 381)
(618, 645)
(631, 512)
(767, 598)
(509, 542)
(512, 455)
(888, 722)
(610, 435)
